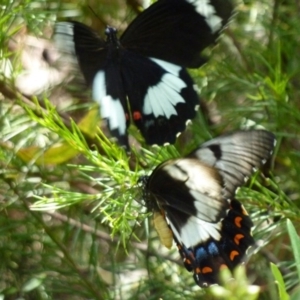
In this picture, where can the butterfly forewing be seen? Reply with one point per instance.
(89, 48)
(189, 188)
(236, 156)
(177, 30)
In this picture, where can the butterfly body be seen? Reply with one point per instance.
(196, 196)
(141, 76)
(163, 229)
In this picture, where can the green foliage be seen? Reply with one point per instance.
(295, 244)
(73, 223)
(280, 283)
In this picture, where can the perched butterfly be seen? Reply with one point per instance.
(195, 195)
(142, 75)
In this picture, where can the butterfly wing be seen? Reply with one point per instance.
(207, 257)
(78, 39)
(236, 155)
(161, 96)
(177, 30)
(102, 74)
(210, 232)
(190, 194)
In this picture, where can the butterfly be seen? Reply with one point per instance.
(195, 196)
(142, 75)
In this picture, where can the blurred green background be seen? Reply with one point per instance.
(73, 224)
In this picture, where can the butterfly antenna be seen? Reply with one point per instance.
(133, 8)
(97, 16)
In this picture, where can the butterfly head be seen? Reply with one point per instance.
(111, 35)
(148, 196)
(143, 180)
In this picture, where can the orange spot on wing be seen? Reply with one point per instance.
(207, 270)
(237, 238)
(238, 221)
(136, 115)
(233, 254)
(197, 270)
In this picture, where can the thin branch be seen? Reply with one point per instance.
(103, 235)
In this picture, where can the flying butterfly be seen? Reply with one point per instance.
(142, 76)
(196, 197)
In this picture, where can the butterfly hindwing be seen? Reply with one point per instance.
(142, 76)
(196, 196)
(207, 258)
(169, 99)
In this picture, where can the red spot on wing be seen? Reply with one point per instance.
(136, 116)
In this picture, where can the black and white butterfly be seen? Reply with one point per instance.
(196, 197)
(142, 76)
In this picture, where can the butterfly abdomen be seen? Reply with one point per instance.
(164, 232)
